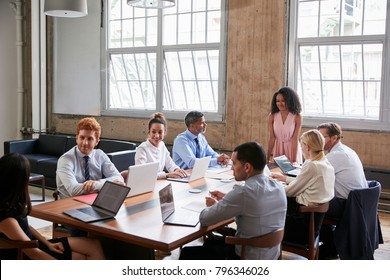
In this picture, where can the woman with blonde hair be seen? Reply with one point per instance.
(314, 185)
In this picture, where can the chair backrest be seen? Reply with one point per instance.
(358, 232)
(312, 249)
(18, 245)
(268, 240)
(313, 239)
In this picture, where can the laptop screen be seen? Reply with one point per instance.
(166, 201)
(111, 196)
(284, 163)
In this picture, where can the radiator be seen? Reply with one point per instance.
(380, 175)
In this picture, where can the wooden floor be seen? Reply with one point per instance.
(383, 252)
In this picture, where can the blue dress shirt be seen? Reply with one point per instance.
(184, 150)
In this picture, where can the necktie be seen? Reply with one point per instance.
(86, 168)
(197, 153)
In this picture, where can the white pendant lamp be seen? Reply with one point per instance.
(151, 3)
(66, 8)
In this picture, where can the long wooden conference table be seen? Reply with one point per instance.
(137, 230)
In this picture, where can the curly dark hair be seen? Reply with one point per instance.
(14, 174)
(290, 97)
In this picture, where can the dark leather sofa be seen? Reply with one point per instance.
(44, 152)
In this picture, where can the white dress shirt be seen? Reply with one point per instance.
(348, 170)
(314, 185)
(146, 152)
(70, 171)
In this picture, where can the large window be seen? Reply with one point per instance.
(336, 61)
(170, 60)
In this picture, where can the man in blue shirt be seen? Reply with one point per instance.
(192, 144)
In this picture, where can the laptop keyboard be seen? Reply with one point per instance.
(92, 212)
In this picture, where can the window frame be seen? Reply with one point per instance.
(218, 116)
(383, 123)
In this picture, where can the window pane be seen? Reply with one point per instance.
(372, 61)
(373, 93)
(184, 6)
(333, 98)
(353, 99)
(213, 27)
(184, 29)
(199, 5)
(374, 17)
(114, 31)
(329, 18)
(199, 28)
(308, 19)
(330, 62)
(352, 62)
(311, 96)
(170, 25)
(309, 63)
(188, 81)
(132, 79)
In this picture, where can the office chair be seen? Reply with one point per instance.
(358, 231)
(18, 245)
(264, 241)
(311, 249)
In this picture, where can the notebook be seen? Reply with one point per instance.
(198, 171)
(285, 165)
(86, 198)
(142, 178)
(170, 216)
(105, 206)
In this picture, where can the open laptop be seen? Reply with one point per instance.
(170, 216)
(198, 171)
(285, 165)
(105, 206)
(142, 178)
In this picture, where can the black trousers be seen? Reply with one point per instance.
(296, 229)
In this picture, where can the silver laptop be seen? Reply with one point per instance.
(170, 216)
(285, 165)
(142, 178)
(198, 171)
(105, 206)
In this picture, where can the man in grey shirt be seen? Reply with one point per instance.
(258, 205)
(84, 169)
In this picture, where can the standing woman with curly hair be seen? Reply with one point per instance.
(284, 125)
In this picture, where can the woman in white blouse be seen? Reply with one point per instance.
(314, 185)
(154, 149)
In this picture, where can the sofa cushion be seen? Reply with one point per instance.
(70, 143)
(34, 160)
(48, 167)
(53, 145)
(110, 146)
